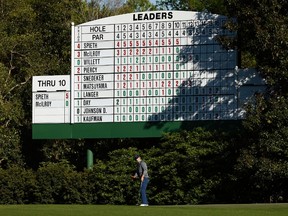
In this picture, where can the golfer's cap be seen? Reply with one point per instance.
(136, 157)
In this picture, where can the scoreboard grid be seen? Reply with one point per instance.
(171, 70)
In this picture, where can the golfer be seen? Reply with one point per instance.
(142, 173)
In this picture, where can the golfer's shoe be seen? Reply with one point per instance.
(144, 205)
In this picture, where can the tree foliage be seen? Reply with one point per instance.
(15, 72)
(262, 35)
(213, 6)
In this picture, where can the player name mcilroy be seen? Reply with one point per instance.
(92, 53)
(43, 103)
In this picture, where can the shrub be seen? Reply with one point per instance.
(17, 185)
(110, 181)
(60, 183)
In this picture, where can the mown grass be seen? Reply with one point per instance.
(114, 210)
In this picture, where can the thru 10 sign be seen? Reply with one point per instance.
(153, 66)
(51, 99)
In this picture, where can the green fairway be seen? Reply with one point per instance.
(111, 210)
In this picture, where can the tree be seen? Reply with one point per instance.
(27, 49)
(213, 6)
(53, 22)
(17, 64)
(97, 9)
(139, 6)
(262, 35)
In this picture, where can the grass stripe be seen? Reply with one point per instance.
(114, 210)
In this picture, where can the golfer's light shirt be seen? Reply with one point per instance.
(142, 169)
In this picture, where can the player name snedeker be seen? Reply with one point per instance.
(92, 118)
(99, 77)
(152, 16)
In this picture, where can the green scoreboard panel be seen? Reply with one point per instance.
(145, 73)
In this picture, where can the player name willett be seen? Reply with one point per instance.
(92, 61)
(99, 61)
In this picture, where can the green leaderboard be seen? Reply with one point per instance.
(133, 71)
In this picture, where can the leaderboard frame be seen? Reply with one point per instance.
(156, 66)
(142, 74)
